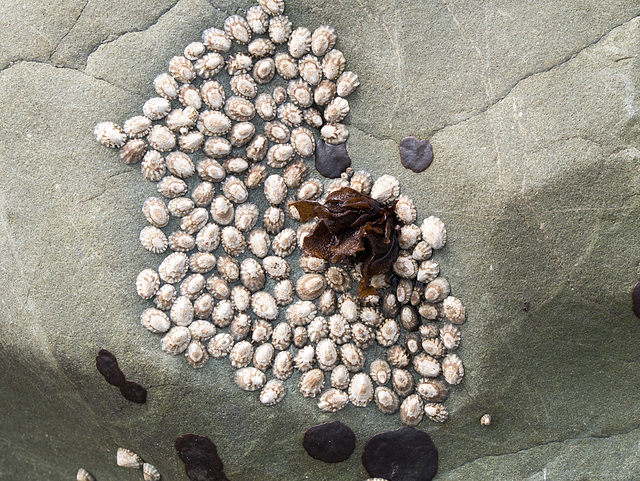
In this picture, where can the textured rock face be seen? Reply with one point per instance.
(533, 113)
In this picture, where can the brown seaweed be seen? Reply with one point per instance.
(331, 442)
(352, 227)
(200, 457)
(107, 365)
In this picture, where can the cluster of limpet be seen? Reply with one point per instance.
(226, 287)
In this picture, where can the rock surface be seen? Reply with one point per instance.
(534, 116)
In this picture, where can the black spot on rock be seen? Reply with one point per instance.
(415, 154)
(329, 442)
(331, 160)
(406, 454)
(134, 392)
(107, 365)
(200, 457)
(635, 298)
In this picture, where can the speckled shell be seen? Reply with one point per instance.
(229, 268)
(450, 336)
(283, 365)
(311, 383)
(284, 292)
(84, 475)
(334, 134)
(235, 190)
(180, 206)
(452, 369)
(149, 472)
(347, 83)
(273, 392)
(279, 155)
(333, 64)
(239, 109)
(209, 65)
(299, 42)
(361, 182)
(279, 94)
(281, 337)
(409, 236)
(222, 210)
(128, 459)
(310, 286)
(276, 267)
(303, 142)
(156, 108)
(402, 382)
(336, 110)
(386, 400)
(182, 69)
(338, 279)
(279, 29)
(261, 47)
(275, 189)
(324, 92)
(437, 290)
(196, 354)
(313, 118)
(434, 232)
(436, 412)
(240, 134)
(426, 365)
(222, 314)
(349, 307)
(385, 189)
(263, 71)
(203, 194)
(273, 220)
(216, 40)
(398, 356)
(405, 267)
(290, 114)
(233, 242)
(195, 50)
(333, 400)
(164, 297)
(304, 360)
(195, 220)
(156, 212)
(340, 377)
(277, 132)
(434, 347)
(190, 142)
(202, 330)
(192, 286)
(212, 122)
(264, 305)
(261, 331)
(110, 134)
(371, 317)
(213, 94)
(239, 63)
(155, 320)
(238, 29)
(173, 268)
(388, 333)
(339, 329)
(161, 138)
(360, 390)
(454, 311)
(258, 19)
(428, 271)
(203, 307)
(310, 69)
(220, 345)
(136, 127)
(352, 357)
(327, 355)
(252, 275)
(182, 120)
(300, 337)
(312, 264)
(301, 313)
(432, 390)
(208, 238)
(250, 379)
(256, 175)
(380, 371)
(176, 340)
(133, 151)
(263, 356)
(411, 410)
(323, 39)
(244, 86)
(241, 355)
(362, 335)
(259, 242)
(267, 109)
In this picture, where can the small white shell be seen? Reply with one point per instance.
(454, 311)
(195, 50)
(303, 141)
(261, 47)
(361, 182)
(240, 356)
(235, 190)
(324, 92)
(362, 335)
(264, 71)
(194, 220)
(283, 365)
(386, 400)
(402, 382)
(209, 65)
(334, 134)
(310, 286)
(257, 19)
(323, 39)
(197, 355)
(311, 383)
(153, 239)
(202, 330)
(333, 400)
(277, 132)
(313, 118)
(213, 122)
(208, 238)
(173, 268)
(327, 354)
(238, 29)
(281, 337)
(299, 42)
(213, 95)
(84, 475)
(233, 242)
(239, 63)
(244, 86)
(155, 320)
(263, 356)
(301, 313)
(164, 298)
(272, 7)
(203, 194)
(360, 390)
(252, 274)
(310, 69)
(222, 210)
(279, 29)
(190, 142)
(220, 345)
(156, 108)
(216, 40)
(290, 114)
(436, 412)
(405, 267)
(339, 329)
(434, 232)
(338, 279)
(182, 69)
(210, 170)
(336, 110)
(161, 138)
(203, 307)
(182, 120)
(261, 331)
(255, 176)
(150, 473)
(279, 94)
(239, 327)
(264, 305)
(333, 64)
(192, 286)
(450, 336)
(180, 206)
(428, 271)
(437, 290)
(304, 360)
(128, 459)
(385, 189)
(137, 127)
(452, 369)
(273, 392)
(279, 155)
(229, 268)
(426, 365)
(347, 83)
(266, 107)
(239, 109)
(133, 151)
(380, 371)
(182, 311)
(110, 135)
(432, 390)
(259, 242)
(411, 410)
(273, 220)
(275, 189)
(405, 209)
(250, 378)
(398, 356)
(176, 340)
(352, 357)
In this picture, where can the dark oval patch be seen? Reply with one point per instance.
(329, 442)
(134, 392)
(415, 154)
(635, 298)
(200, 457)
(406, 454)
(107, 365)
(331, 160)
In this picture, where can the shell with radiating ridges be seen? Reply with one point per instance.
(323, 40)
(360, 390)
(299, 42)
(452, 369)
(412, 410)
(176, 340)
(283, 365)
(84, 475)
(436, 412)
(434, 232)
(273, 392)
(311, 383)
(155, 320)
(220, 345)
(250, 378)
(279, 29)
(258, 19)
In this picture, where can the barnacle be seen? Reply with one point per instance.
(352, 227)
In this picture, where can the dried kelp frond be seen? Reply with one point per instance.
(352, 227)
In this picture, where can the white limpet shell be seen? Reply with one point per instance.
(352, 357)
(299, 42)
(290, 114)
(426, 365)
(147, 283)
(182, 120)
(434, 232)
(340, 377)
(193, 285)
(334, 134)
(196, 354)
(405, 267)
(261, 332)
(303, 142)
(336, 110)
(312, 265)
(324, 92)
(310, 69)
(273, 392)
(333, 400)
(279, 155)
(349, 307)
(239, 109)
(238, 29)
(263, 71)
(454, 311)
(176, 340)
(257, 19)
(202, 330)
(388, 333)
(327, 355)
(283, 365)
(209, 65)
(485, 420)
(305, 358)
(432, 390)
(263, 356)
(153, 239)
(301, 313)
(437, 290)
(281, 337)
(217, 147)
(284, 292)
(213, 122)
(362, 335)
(434, 347)
(218, 287)
(161, 138)
(195, 50)
(203, 307)
(360, 390)
(235, 190)
(279, 29)
(409, 236)
(216, 40)
(156, 108)
(182, 69)
(233, 242)
(133, 151)
(210, 170)
(279, 94)
(155, 320)
(150, 473)
(256, 175)
(300, 338)
(361, 182)
(405, 209)
(220, 345)
(380, 371)
(428, 271)
(272, 7)
(213, 94)
(277, 132)
(412, 410)
(339, 329)
(208, 238)
(402, 382)
(317, 329)
(398, 356)
(182, 311)
(229, 268)
(240, 134)
(284, 244)
(128, 459)
(250, 378)
(137, 127)
(173, 268)
(241, 355)
(266, 107)
(244, 86)
(313, 118)
(450, 336)
(259, 243)
(338, 279)
(275, 189)
(239, 63)
(164, 297)
(347, 83)
(252, 275)
(195, 220)
(333, 64)
(385, 189)
(110, 135)
(311, 383)
(190, 142)
(387, 401)
(436, 412)
(264, 305)
(222, 211)
(323, 39)
(310, 286)
(276, 267)
(452, 369)
(84, 475)
(171, 187)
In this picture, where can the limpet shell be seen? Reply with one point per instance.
(261, 331)
(252, 274)
(276, 267)
(222, 211)
(155, 320)
(277, 132)
(264, 305)
(279, 94)
(128, 459)
(203, 307)
(279, 155)
(434, 347)
(290, 114)
(299, 42)
(426, 365)
(173, 268)
(259, 243)
(380, 371)
(164, 297)
(339, 329)
(434, 232)
(352, 357)
(213, 94)
(336, 110)
(402, 382)
(246, 216)
(301, 313)
(317, 329)
(244, 86)
(192, 286)
(385, 189)
(333, 400)
(156, 212)
(333, 64)
(360, 390)
(190, 142)
(216, 40)
(311, 264)
(281, 337)
(84, 475)
(266, 108)
(432, 390)
(273, 220)
(220, 345)
(327, 355)
(258, 19)
(452, 369)
(176, 340)
(240, 134)
(311, 383)
(338, 279)
(161, 138)
(362, 335)
(238, 29)
(450, 336)
(194, 220)
(263, 72)
(273, 392)
(256, 175)
(196, 354)
(310, 286)
(229, 268)
(137, 127)
(454, 311)
(156, 108)
(239, 63)
(361, 182)
(208, 238)
(340, 377)
(275, 189)
(436, 412)
(235, 190)
(303, 142)
(324, 92)
(323, 39)
(398, 356)
(213, 122)
(282, 366)
(209, 65)
(304, 360)
(284, 292)
(347, 83)
(334, 134)
(310, 69)
(202, 330)
(149, 472)
(195, 50)
(263, 356)
(411, 410)
(409, 236)
(133, 151)
(279, 28)
(300, 93)
(239, 109)
(182, 69)
(240, 356)
(110, 134)
(203, 194)
(250, 378)
(388, 333)
(237, 165)
(233, 242)
(386, 400)
(437, 290)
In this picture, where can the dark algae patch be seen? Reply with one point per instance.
(406, 454)
(107, 365)
(200, 457)
(415, 154)
(352, 227)
(330, 442)
(635, 298)
(331, 160)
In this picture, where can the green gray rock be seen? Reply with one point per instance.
(534, 117)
